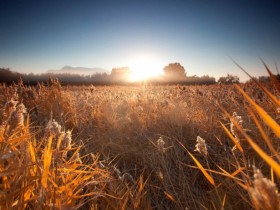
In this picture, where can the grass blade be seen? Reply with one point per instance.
(272, 76)
(206, 174)
(273, 164)
(267, 119)
(271, 96)
(264, 135)
(47, 162)
(170, 197)
(232, 138)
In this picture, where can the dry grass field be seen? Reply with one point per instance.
(140, 147)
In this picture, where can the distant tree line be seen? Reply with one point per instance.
(174, 73)
(229, 79)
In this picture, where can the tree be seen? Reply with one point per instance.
(120, 74)
(229, 79)
(7, 76)
(175, 71)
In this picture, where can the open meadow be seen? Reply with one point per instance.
(139, 105)
(139, 147)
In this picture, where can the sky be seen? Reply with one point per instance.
(202, 36)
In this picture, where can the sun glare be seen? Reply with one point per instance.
(144, 67)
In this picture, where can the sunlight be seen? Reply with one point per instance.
(144, 67)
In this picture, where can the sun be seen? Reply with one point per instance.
(144, 67)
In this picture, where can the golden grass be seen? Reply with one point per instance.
(135, 147)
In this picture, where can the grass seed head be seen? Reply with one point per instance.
(10, 107)
(53, 128)
(201, 146)
(264, 193)
(160, 145)
(16, 118)
(233, 129)
(67, 140)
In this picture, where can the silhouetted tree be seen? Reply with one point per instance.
(229, 79)
(203, 80)
(120, 74)
(7, 76)
(175, 71)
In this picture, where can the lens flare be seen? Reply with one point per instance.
(144, 67)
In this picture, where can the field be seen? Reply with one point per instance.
(139, 147)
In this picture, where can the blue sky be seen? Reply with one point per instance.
(39, 35)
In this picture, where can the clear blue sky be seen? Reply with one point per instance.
(39, 35)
